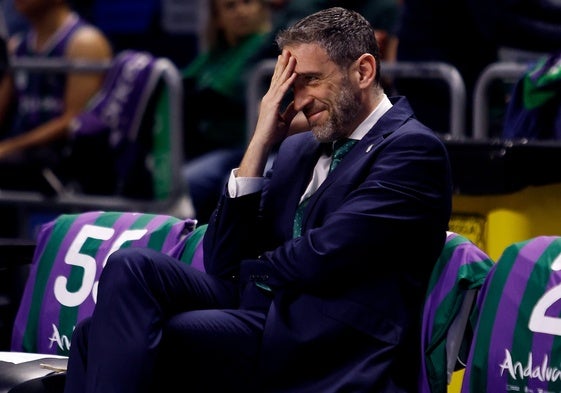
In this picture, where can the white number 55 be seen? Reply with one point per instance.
(75, 257)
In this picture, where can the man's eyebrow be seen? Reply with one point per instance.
(308, 74)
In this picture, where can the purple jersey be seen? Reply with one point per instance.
(70, 255)
(517, 342)
(461, 268)
(117, 116)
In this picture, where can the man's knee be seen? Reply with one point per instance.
(124, 261)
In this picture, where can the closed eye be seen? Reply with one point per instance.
(307, 79)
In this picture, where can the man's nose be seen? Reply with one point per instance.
(301, 98)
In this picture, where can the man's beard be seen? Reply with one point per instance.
(344, 111)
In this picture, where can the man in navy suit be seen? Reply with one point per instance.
(331, 303)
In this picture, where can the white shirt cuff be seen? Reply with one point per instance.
(240, 186)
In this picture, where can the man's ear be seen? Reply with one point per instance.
(366, 68)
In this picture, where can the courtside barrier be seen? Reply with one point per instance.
(509, 71)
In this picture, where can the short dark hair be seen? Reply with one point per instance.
(344, 34)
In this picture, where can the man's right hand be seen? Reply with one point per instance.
(272, 125)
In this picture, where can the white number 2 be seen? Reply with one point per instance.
(539, 322)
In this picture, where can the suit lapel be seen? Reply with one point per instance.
(359, 156)
(355, 159)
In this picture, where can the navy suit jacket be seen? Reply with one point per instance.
(345, 308)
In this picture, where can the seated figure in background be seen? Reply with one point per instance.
(215, 94)
(36, 108)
